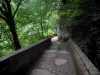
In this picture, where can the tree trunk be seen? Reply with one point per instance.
(12, 27)
(6, 14)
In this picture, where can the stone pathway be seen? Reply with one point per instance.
(55, 61)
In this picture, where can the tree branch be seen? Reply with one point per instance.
(8, 6)
(4, 6)
(17, 9)
(3, 17)
(1, 10)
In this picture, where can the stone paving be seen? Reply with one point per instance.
(55, 61)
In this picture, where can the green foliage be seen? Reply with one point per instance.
(71, 12)
(5, 39)
(34, 20)
(5, 52)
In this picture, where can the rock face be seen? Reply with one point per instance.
(62, 31)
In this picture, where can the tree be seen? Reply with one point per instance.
(8, 16)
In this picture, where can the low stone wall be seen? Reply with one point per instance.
(23, 57)
(82, 64)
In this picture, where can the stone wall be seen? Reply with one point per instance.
(82, 64)
(21, 59)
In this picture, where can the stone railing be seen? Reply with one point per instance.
(19, 60)
(82, 64)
